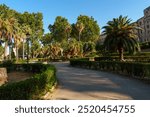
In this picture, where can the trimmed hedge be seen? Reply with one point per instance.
(128, 58)
(32, 88)
(145, 45)
(138, 70)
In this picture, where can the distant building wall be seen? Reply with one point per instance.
(144, 23)
(102, 38)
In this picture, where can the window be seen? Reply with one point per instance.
(148, 26)
(146, 13)
(140, 23)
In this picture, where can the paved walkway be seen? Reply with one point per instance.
(76, 83)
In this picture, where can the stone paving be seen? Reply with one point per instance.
(83, 84)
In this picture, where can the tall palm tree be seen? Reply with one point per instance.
(79, 27)
(8, 28)
(68, 31)
(120, 35)
(1, 22)
(25, 30)
(4, 29)
(1, 30)
(17, 41)
(5, 34)
(14, 27)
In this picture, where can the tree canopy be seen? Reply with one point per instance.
(88, 28)
(120, 35)
(61, 29)
(14, 26)
(46, 39)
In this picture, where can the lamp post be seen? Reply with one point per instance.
(28, 38)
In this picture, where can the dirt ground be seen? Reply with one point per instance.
(18, 76)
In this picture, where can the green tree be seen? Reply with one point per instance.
(79, 27)
(88, 47)
(8, 26)
(72, 49)
(46, 39)
(25, 30)
(8, 30)
(86, 29)
(120, 35)
(68, 29)
(14, 25)
(61, 29)
(1, 51)
(34, 22)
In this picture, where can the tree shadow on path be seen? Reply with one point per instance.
(99, 85)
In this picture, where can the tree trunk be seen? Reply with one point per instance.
(17, 52)
(5, 51)
(10, 51)
(121, 54)
(27, 51)
(67, 38)
(79, 36)
(23, 50)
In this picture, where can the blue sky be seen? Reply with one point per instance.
(101, 10)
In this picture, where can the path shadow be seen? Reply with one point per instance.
(87, 81)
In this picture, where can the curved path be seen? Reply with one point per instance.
(76, 83)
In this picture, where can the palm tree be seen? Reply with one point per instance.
(5, 33)
(68, 31)
(17, 40)
(8, 28)
(14, 27)
(25, 30)
(1, 31)
(120, 35)
(79, 27)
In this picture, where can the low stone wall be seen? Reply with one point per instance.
(3, 76)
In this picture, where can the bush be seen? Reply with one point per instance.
(145, 45)
(139, 70)
(88, 47)
(31, 88)
(8, 64)
(127, 58)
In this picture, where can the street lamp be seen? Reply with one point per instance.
(28, 38)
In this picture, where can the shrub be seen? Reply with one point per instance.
(8, 64)
(145, 45)
(88, 47)
(127, 58)
(33, 87)
(136, 69)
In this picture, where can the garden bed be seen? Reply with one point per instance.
(31, 81)
(17, 76)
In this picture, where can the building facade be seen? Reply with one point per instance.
(144, 23)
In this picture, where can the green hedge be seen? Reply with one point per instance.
(32, 88)
(138, 70)
(128, 58)
(145, 45)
